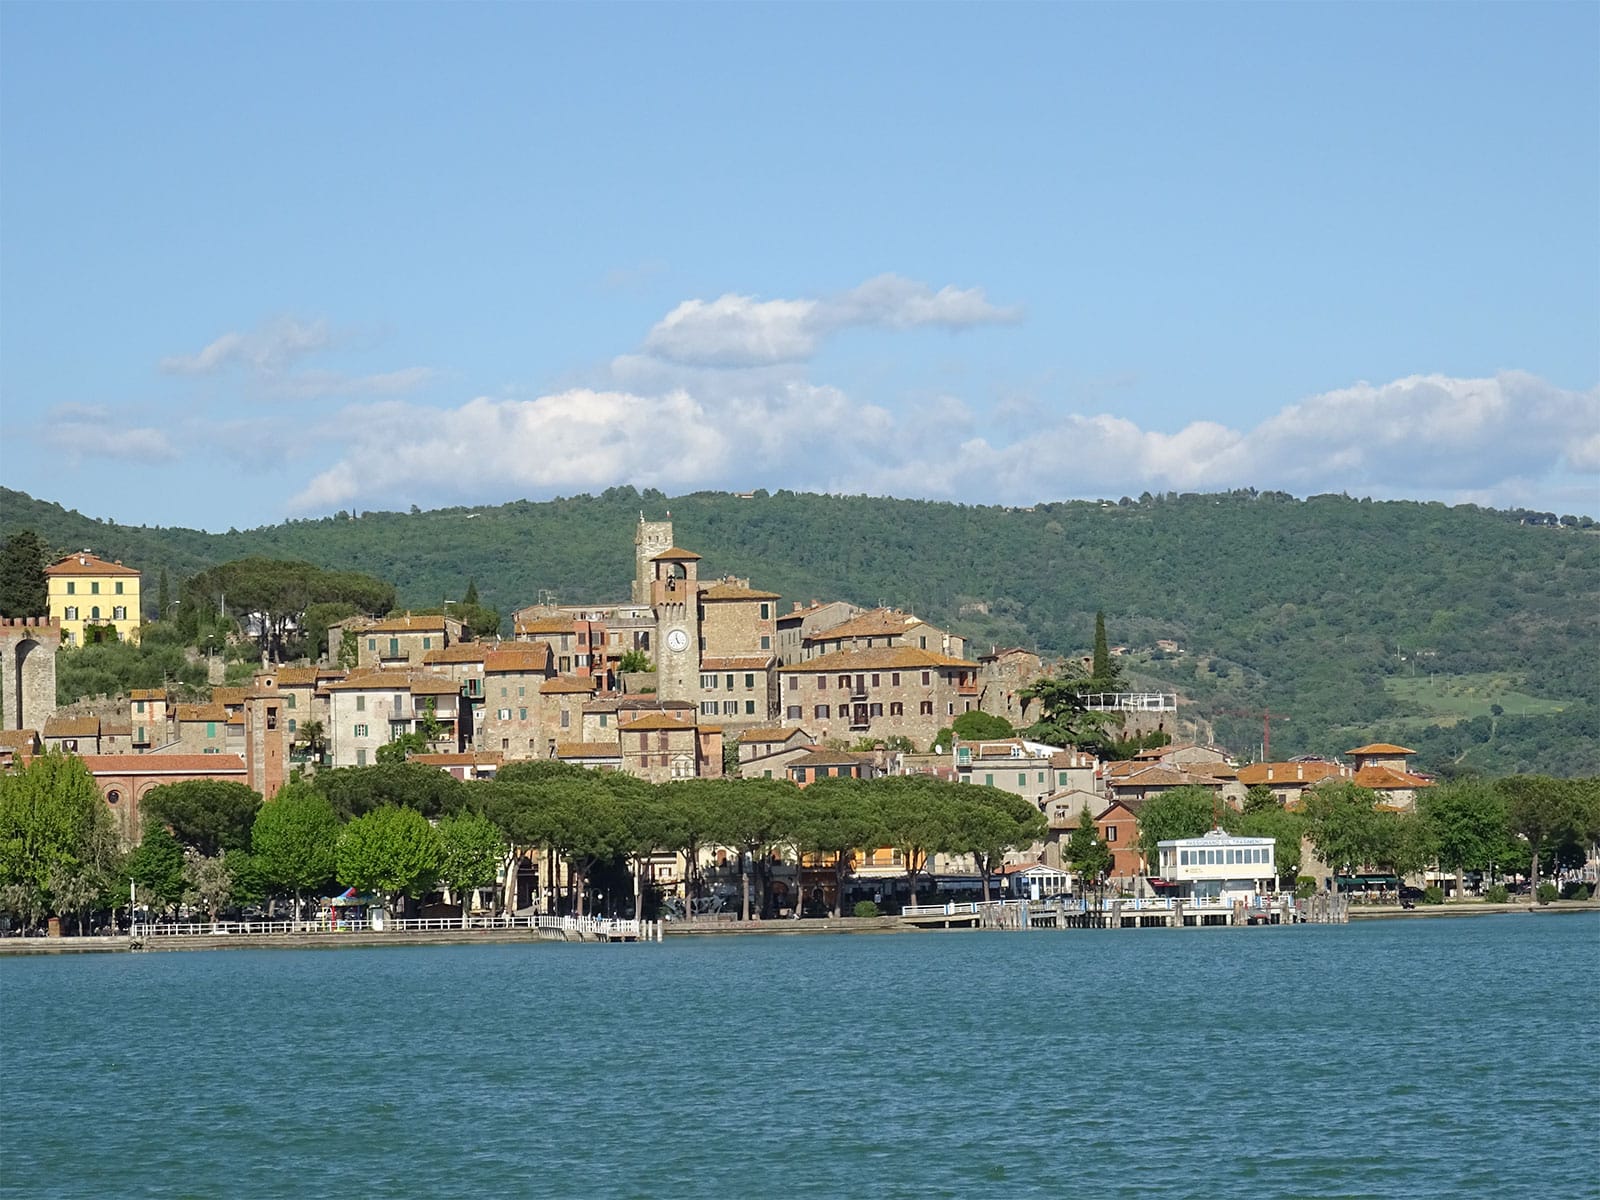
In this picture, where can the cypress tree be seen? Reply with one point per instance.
(23, 592)
(471, 598)
(1102, 650)
(163, 597)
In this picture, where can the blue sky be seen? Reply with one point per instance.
(261, 261)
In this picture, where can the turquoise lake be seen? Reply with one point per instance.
(1384, 1059)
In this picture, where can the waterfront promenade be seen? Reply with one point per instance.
(259, 935)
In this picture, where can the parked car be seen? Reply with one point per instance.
(1410, 893)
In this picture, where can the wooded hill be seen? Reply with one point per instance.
(1463, 632)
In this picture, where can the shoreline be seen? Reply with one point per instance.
(29, 947)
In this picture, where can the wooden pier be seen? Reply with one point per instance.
(1127, 913)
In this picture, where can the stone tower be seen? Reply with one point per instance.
(28, 648)
(674, 594)
(649, 540)
(266, 736)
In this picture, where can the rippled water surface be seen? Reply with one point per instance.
(1416, 1058)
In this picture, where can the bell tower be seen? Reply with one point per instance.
(649, 539)
(675, 596)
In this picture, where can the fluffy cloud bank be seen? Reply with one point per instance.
(742, 331)
(1423, 435)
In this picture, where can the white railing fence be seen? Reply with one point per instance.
(611, 928)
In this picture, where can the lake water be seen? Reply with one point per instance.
(1404, 1058)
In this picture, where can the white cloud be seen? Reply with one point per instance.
(266, 356)
(735, 330)
(89, 431)
(267, 350)
(1503, 440)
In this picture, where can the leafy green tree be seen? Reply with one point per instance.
(163, 596)
(1063, 719)
(474, 852)
(1283, 827)
(1545, 812)
(355, 791)
(1087, 854)
(403, 747)
(753, 816)
(212, 816)
(157, 867)
(919, 819)
(1259, 799)
(1466, 821)
(278, 593)
(1342, 823)
(988, 821)
(392, 852)
(23, 591)
(54, 826)
(979, 726)
(635, 662)
(650, 824)
(1183, 812)
(208, 881)
(835, 817)
(294, 841)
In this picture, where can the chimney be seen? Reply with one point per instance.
(1269, 772)
(1300, 771)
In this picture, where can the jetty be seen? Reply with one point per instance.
(1157, 912)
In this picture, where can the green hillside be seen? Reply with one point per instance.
(1321, 609)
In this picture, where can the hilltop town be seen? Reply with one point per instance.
(691, 676)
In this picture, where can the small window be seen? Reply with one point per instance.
(427, 643)
(749, 682)
(894, 679)
(211, 729)
(72, 612)
(988, 781)
(766, 613)
(72, 588)
(361, 756)
(749, 708)
(792, 713)
(822, 682)
(766, 644)
(372, 643)
(566, 717)
(1022, 779)
(291, 725)
(360, 731)
(119, 613)
(926, 708)
(94, 588)
(897, 709)
(820, 712)
(927, 678)
(730, 708)
(522, 714)
(94, 613)
(708, 708)
(138, 706)
(113, 796)
(119, 587)
(288, 700)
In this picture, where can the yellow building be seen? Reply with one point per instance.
(85, 590)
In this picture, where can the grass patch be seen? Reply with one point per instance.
(1445, 699)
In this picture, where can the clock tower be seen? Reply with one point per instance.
(674, 594)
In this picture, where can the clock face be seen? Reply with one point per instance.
(678, 641)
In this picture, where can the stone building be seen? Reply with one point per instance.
(880, 628)
(881, 693)
(74, 734)
(149, 718)
(512, 719)
(1003, 675)
(394, 643)
(799, 623)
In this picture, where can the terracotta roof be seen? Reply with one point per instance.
(655, 720)
(1163, 751)
(236, 718)
(749, 662)
(1158, 776)
(883, 658)
(297, 677)
(830, 758)
(675, 553)
(227, 695)
(481, 758)
(1291, 772)
(372, 681)
(603, 704)
(87, 564)
(770, 735)
(588, 750)
(163, 764)
(18, 739)
(458, 652)
(546, 625)
(515, 657)
(148, 694)
(1387, 778)
(115, 727)
(406, 624)
(879, 622)
(652, 703)
(201, 712)
(566, 685)
(71, 727)
(1073, 758)
(736, 591)
(1379, 748)
(434, 685)
(1213, 770)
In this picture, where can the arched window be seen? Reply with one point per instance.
(95, 612)
(291, 724)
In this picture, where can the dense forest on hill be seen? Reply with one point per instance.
(1463, 631)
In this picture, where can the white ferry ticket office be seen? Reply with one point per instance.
(1220, 866)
